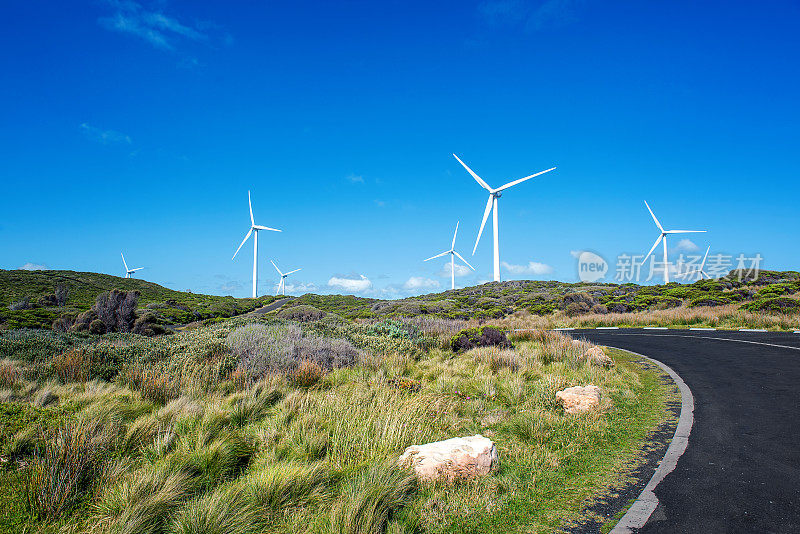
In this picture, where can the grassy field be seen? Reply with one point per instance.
(265, 425)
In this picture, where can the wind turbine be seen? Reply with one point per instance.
(282, 283)
(254, 228)
(699, 270)
(128, 272)
(453, 254)
(491, 205)
(663, 237)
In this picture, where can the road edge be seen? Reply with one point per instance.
(644, 506)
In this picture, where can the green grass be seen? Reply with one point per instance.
(234, 452)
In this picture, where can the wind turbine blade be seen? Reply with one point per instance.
(276, 267)
(685, 231)
(483, 223)
(257, 227)
(278, 289)
(250, 202)
(462, 259)
(477, 178)
(660, 237)
(515, 182)
(438, 256)
(290, 272)
(137, 269)
(123, 261)
(703, 264)
(243, 240)
(654, 216)
(453, 246)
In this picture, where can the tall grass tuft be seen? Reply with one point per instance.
(368, 500)
(280, 486)
(72, 457)
(226, 510)
(144, 502)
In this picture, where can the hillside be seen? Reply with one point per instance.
(773, 292)
(30, 298)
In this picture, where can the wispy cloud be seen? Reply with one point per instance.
(152, 26)
(420, 282)
(301, 288)
(33, 267)
(231, 286)
(355, 178)
(354, 284)
(105, 137)
(460, 270)
(687, 245)
(532, 267)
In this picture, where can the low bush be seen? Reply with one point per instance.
(483, 336)
(774, 305)
(709, 300)
(573, 309)
(307, 374)
(303, 313)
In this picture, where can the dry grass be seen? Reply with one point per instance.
(727, 316)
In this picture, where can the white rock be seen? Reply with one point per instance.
(579, 399)
(596, 356)
(452, 459)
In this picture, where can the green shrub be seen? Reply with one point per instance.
(709, 300)
(303, 313)
(573, 309)
(483, 336)
(774, 305)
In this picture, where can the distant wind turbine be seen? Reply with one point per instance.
(699, 270)
(453, 254)
(491, 205)
(254, 228)
(282, 283)
(663, 237)
(128, 272)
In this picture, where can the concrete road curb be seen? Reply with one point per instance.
(640, 511)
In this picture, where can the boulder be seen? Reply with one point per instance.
(452, 459)
(579, 399)
(596, 356)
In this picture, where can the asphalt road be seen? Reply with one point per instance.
(741, 470)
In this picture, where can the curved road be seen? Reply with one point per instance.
(741, 470)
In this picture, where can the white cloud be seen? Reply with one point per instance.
(33, 267)
(104, 137)
(380, 203)
(355, 178)
(687, 245)
(301, 288)
(461, 270)
(575, 253)
(347, 283)
(420, 282)
(156, 28)
(532, 268)
(231, 286)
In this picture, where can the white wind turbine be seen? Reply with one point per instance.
(282, 283)
(699, 270)
(491, 205)
(254, 228)
(663, 237)
(453, 254)
(128, 272)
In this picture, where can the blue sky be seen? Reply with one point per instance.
(141, 126)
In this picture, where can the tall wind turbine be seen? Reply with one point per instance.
(491, 205)
(282, 283)
(254, 228)
(128, 272)
(663, 237)
(453, 254)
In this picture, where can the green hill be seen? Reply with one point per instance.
(769, 293)
(29, 299)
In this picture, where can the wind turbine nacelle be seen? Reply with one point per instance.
(497, 194)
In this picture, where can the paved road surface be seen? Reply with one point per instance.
(741, 471)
